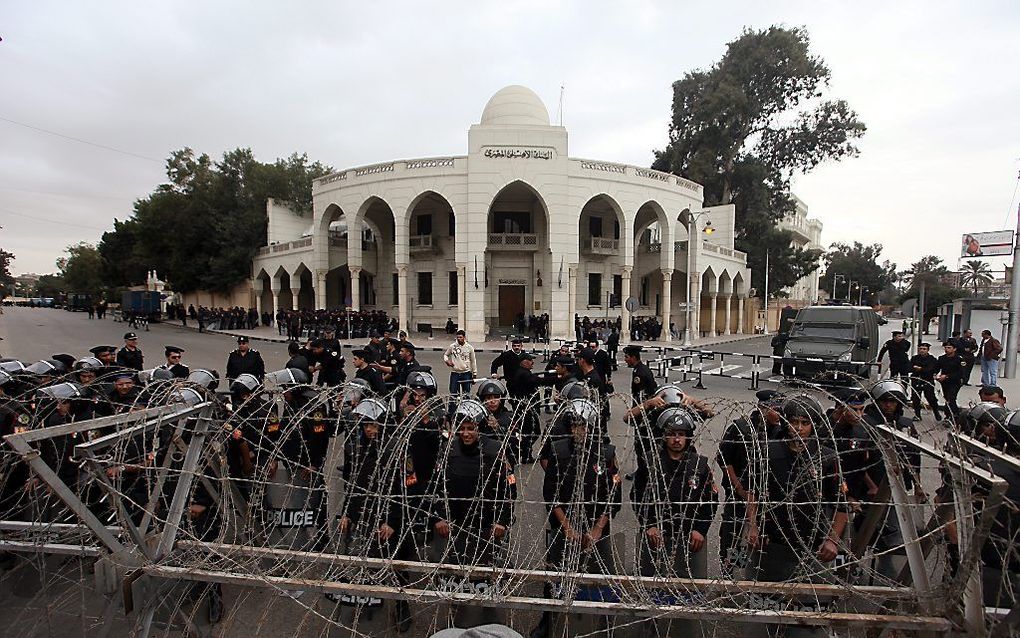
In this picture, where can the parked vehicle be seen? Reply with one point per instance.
(829, 342)
(78, 302)
(141, 303)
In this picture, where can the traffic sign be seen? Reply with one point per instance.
(632, 304)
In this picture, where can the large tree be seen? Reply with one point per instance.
(847, 264)
(201, 228)
(743, 127)
(6, 278)
(82, 269)
(930, 272)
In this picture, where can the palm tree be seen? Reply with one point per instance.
(976, 272)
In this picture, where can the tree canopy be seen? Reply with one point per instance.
(201, 228)
(6, 278)
(743, 127)
(82, 270)
(930, 271)
(858, 263)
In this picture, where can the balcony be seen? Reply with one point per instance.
(513, 241)
(726, 252)
(600, 246)
(421, 244)
(285, 247)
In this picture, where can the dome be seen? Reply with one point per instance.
(515, 106)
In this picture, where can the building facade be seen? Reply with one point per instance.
(807, 233)
(516, 226)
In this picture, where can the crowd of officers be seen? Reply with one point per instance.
(434, 477)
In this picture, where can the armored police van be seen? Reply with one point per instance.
(830, 342)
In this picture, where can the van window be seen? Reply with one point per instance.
(823, 330)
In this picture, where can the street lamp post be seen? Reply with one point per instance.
(849, 285)
(692, 223)
(860, 296)
(836, 278)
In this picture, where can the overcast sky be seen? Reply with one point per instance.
(938, 85)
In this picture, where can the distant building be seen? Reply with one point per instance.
(26, 283)
(514, 227)
(807, 233)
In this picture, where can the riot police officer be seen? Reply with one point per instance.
(675, 501)
(245, 360)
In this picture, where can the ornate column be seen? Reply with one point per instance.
(320, 289)
(667, 290)
(276, 287)
(728, 300)
(461, 292)
(624, 313)
(355, 288)
(258, 286)
(741, 300)
(572, 291)
(714, 297)
(402, 297)
(294, 293)
(695, 301)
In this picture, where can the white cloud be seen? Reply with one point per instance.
(350, 84)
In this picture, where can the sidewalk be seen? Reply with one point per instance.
(440, 340)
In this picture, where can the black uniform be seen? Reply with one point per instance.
(250, 363)
(796, 493)
(374, 378)
(967, 350)
(510, 362)
(642, 383)
(743, 445)
(924, 367)
(332, 371)
(677, 497)
(899, 356)
(130, 358)
(953, 368)
(177, 370)
(584, 481)
(478, 489)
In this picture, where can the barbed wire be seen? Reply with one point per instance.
(388, 523)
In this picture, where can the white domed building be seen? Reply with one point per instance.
(514, 226)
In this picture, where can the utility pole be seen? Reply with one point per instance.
(767, 294)
(921, 302)
(1013, 331)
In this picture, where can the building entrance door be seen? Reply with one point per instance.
(511, 303)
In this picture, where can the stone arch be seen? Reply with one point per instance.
(601, 237)
(264, 291)
(282, 275)
(304, 277)
(517, 248)
(376, 251)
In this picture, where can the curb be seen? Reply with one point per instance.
(351, 346)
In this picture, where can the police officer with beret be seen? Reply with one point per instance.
(130, 356)
(245, 360)
(642, 383)
(173, 362)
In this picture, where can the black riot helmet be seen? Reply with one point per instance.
(47, 367)
(289, 377)
(1012, 433)
(88, 363)
(245, 384)
(581, 411)
(471, 411)
(803, 406)
(11, 366)
(675, 419)
(575, 390)
(491, 388)
(205, 378)
(419, 380)
(988, 413)
(886, 388)
(372, 410)
(356, 390)
(5, 378)
(60, 391)
(671, 394)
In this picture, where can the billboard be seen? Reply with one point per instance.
(995, 244)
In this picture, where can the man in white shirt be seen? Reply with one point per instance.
(460, 357)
